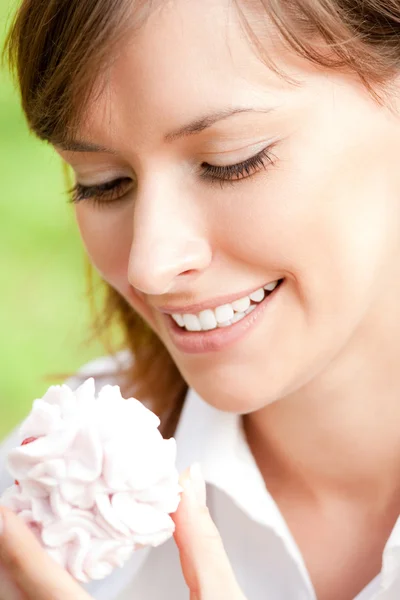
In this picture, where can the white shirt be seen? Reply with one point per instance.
(266, 560)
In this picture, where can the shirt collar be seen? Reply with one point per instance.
(216, 440)
(390, 583)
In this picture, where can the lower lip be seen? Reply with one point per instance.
(217, 339)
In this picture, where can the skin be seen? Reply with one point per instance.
(320, 368)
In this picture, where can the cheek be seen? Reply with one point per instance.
(107, 237)
(323, 215)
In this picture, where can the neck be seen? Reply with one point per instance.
(340, 433)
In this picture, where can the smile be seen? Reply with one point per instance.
(225, 315)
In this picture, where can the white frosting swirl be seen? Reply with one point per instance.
(99, 480)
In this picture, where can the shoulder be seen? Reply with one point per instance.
(105, 371)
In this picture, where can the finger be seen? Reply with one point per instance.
(8, 589)
(205, 564)
(27, 564)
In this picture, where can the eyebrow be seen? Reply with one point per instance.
(192, 128)
(205, 122)
(81, 146)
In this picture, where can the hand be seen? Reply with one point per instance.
(205, 565)
(27, 572)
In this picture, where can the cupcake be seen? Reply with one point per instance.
(94, 478)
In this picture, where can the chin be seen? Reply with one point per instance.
(235, 395)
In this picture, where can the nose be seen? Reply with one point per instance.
(169, 243)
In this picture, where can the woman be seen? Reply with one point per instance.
(238, 189)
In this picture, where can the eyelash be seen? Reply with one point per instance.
(113, 191)
(233, 173)
(106, 193)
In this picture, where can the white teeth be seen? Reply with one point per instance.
(258, 295)
(225, 324)
(178, 320)
(270, 286)
(238, 316)
(191, 323)
(224, 313)
(207, 320)
(241, 305)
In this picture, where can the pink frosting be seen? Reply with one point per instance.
(99, 480)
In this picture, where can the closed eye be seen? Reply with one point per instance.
(117, 190)
(239, 171)
(105, 193)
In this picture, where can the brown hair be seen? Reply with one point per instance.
(56, 48)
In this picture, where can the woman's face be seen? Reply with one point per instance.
(185, 232)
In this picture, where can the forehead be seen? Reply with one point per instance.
(190, 56)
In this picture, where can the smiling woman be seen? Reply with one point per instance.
(237, 188)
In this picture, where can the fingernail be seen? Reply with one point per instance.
(198, 483)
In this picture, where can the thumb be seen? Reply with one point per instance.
(205, 564)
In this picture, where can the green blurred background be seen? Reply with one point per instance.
(44, 316)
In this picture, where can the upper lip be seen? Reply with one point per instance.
(209, 304)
